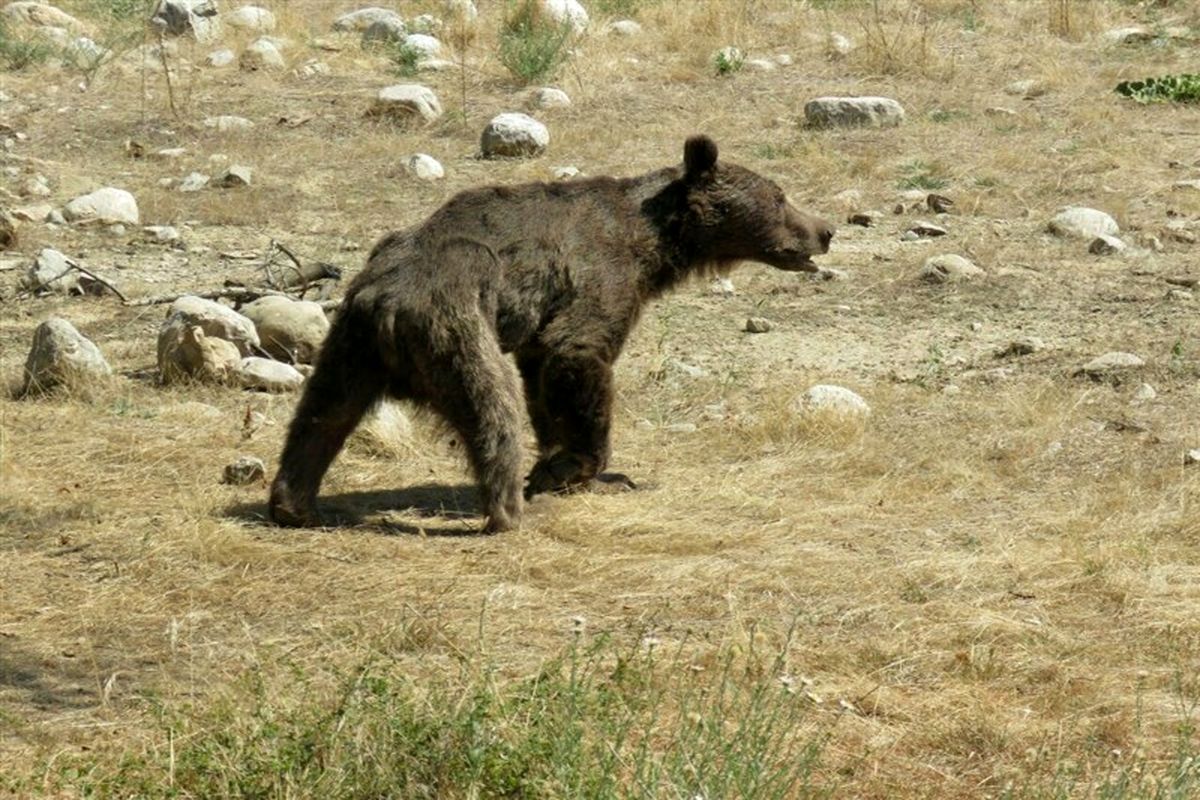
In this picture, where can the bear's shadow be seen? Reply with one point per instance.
(378, 510)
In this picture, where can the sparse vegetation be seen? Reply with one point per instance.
(18, 52)
(1183, 88)
(532, 46)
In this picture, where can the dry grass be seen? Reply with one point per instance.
(999, 579)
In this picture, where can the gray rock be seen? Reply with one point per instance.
(266, 375)
(384, 32)
(35, 186)
(839, 45)
(106, 206)
(245, 471)
(1128, 35)
(226, 123)
(1105, 245)
(623, 27)
(825, 398)
(235, 177)
(758, 325)
(949, 268)
(363, 18)
(180, 17)
(289, 330)
(1027, 89)
(51, 272)
(62, 356)
(35, 213)
(1082, 223)
(220, 58)
(835, 112)
(1111, 364)
(161, 234)
(566, 12)
(723, 286)
(549, 97)
(179, 349)
(1025, 346)
(681, 427)
(424, 44)
(250, 18)
(514, 135)
(406, 103)
(425, 167)
(193, 182)
(261, 54)
(41, 15)
(1144, 393)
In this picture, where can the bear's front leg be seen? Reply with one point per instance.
(576, 399)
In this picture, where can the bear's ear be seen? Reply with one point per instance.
(699, 155)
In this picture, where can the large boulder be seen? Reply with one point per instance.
(62, 356)
(514, 136)
(254, 19)
(406, 103)
(358, 21)
(845, 112)
(42, 15)
(107, 206)
(176, 357)
(289, 330)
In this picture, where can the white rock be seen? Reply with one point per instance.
(514, 135)
(824, 398)
(1191, 458)
(106, 206)
(839, 45)
(681, 427)
(1105, 245)
(62, 356)
(220, 58)
(269, 376)
(358, 21)
(1026, 89)
(761, 65)
(723, 286)
(251, 18)
(566, 12)
(425, 167)
(1130, 35)
(1083, 223)
(949, 268)
(1144, 393)
(828, 112)
(290, 330)
(35, 186)
(784, 60)
(169, 153)
(565, 173)
(161, 234)
(51, 272)
(244, 471)
(41, 15)
(261, 54)
(623, 27)
(1110, 363)
(424, 44)
(39, 212)
(179, 17)
(236, 176)
(193, 182)
(406, 102)
(227, 123)
(436, 65)
(177, 346)
(549, 97)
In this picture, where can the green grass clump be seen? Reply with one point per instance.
(533, 46)
(1183, 88)
(19, 52)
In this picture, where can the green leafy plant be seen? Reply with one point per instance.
(532, 46)
(729, 60)
(18, 52)
(1183, 88)
(919, 175)
(406, 59)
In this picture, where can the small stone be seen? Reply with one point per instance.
(1129, 35)
(623, 27)
(830, 274)
(425, 167)
(226, 123)
(833, 112)
(106, 206)
(161, 234)
(265, 375)
(824, 398)
(35, 186)
(169, 153)
(681, 427)
(245, 471)
(549, 97)
(235, 177)
(514, 135)
(1026, 89)
(51, 271)
(1082, 223)
(250, 18)
(423, 44)
(761, 65)
(927, 230)
(1026, 345)
(999, 111)
(758, 325)
(910, 236)
(723, 286)
(839, 45)
(1192, 184)
(406, 103)
(565, 173)
(1144, 393)
(784, 60)
(848, 199)
(363, 18)
(193, 182)
(566, 12)
(1105, 245)
(1111, 364)
(35, 213)
(261, 54)
(949, 268)
(62, 356)
(1191, 458)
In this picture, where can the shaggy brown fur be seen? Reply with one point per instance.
(555, 273)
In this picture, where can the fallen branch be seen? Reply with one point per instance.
(239, 293)
(72, 264)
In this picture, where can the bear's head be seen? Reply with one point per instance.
(736, 214)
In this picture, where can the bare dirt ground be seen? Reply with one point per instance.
(996, 575)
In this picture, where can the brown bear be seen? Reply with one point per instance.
(554, 273)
